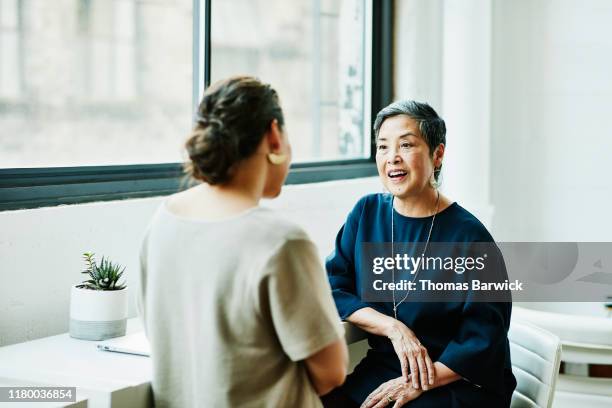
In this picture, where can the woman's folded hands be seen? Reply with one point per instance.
(397, 392)
(413, 356)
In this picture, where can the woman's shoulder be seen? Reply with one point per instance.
(275, 237)
(259, 225)
(271, 225)
(466, 225)
(376, 199)
(371, 201)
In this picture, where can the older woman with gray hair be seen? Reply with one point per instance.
(423, 354)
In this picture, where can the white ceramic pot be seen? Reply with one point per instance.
(98, 314)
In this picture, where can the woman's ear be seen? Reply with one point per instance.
(274, 136)
(438, 155)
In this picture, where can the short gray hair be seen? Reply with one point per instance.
(431, 126)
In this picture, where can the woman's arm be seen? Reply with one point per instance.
(479, 351)
(340, 265)
(413, 356)
(327, 368)
(371, 321)
(296, 297)
(444, 375)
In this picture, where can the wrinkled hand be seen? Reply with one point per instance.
(395, 391)
(413, 356)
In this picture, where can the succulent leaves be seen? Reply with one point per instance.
(103, 276)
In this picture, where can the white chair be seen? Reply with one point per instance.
(536, 356)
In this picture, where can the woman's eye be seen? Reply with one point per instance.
(382, 147)
(406, 145)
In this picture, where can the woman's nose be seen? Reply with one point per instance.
(393, 157)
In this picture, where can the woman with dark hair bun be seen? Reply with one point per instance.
(235, 301)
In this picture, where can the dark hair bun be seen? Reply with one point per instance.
(212, 153)
(230, 123)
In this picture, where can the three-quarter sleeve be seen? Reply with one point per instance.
(479, 349)
(340, 265)
(297, 298)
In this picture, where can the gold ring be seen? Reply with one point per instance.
(389, 399)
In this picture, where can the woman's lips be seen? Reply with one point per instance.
(396, 176)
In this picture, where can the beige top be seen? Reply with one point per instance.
(231, 307)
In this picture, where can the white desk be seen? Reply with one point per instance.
(102, 379)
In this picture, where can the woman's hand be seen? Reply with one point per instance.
(396, 390)
(412, 355)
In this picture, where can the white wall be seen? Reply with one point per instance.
(526, 90)
(40, 250)
(418, 40)
(443, 57)
(552, 120)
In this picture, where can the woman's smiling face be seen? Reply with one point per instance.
(405, 164)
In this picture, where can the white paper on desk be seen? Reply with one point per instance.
(136, 343)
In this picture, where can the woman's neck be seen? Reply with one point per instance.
(422, 205)
(244, 190)
(247, 183)
(236, 197)
(213, 202)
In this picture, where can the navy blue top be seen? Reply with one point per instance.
(470, 338)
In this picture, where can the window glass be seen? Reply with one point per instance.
(94, 82)
(312, 52)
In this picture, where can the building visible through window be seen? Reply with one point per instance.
(108, 49)
(110, 82)
(11, 52)
(94, 82)
(313, 53)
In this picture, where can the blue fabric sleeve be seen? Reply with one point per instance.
(478, 351)
(340, 265)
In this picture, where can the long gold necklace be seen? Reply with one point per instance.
(418, 269)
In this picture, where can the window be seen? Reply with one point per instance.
(11, 73)
(107, 83)
(109, 48)
(313, 54)
(104, 104)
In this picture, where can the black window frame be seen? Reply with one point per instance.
(26, 188)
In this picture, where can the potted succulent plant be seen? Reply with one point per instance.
(98, 305)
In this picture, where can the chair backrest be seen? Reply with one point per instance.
(536, 355)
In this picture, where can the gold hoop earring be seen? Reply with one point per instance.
(435, 184)
(277, 159)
